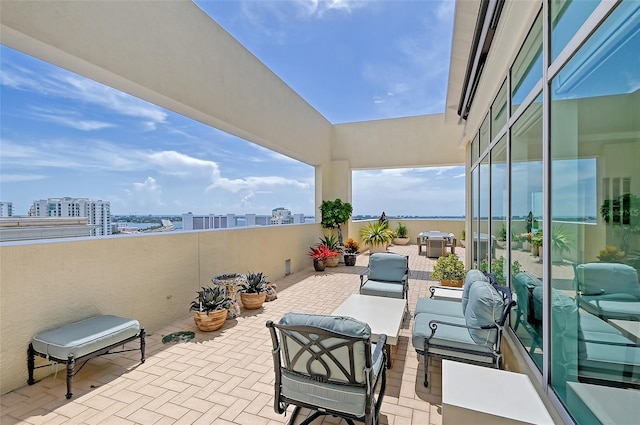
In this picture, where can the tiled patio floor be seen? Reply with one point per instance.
(226, 376)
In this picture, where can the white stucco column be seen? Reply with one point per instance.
(333, 180)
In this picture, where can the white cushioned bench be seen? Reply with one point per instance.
(83, 340)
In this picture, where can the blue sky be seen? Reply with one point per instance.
(65, 135)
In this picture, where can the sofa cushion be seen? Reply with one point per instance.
(607, 278)
(449, 308)
(382, 289)
(387, 266)
(528, 280)
(612, 306)
(472, 276)
(485, 307)
(448, 338)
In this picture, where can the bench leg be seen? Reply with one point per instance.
(142, 345)
(31, 364)
(71, 363)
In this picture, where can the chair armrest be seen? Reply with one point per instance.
(362, 275)
(382, 340)
(433, 324)
(432, 289)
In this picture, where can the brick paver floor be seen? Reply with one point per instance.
(226, 376)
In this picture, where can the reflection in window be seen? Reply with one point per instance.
(484, 135)
(527, 68)
(499, 111)
(595, 295)
(567, 16)
(526, 225)
(499, 209)
(482, 238)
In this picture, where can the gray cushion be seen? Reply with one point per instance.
(85, 337)
(440, 307)
(607, 278)
(527, 279)
(387, 266)
(448, 337)
(472, 276)
(485, 307)
(611, 307)
(382, 289)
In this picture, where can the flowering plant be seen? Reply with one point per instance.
(351, 246)
(526, 236)
(321, 252)
(610, 254)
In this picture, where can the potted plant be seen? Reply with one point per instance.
(334, 245)
(210, 308)
(253, 291)
(350, 252)
(561, 242)
(376, 235)
(449, 270)
(320, 253)
(497, 268)
(401, 234)
(502, 237)
(335, 213)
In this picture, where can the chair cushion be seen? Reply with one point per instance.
(485, 307)
(527, 279)
(607, 278)
(347, 326)
(382, 289)
(472, 276)
(441, 307)
(342, 398)
(612, 308)
(387, 266)
(449, 338)
(85, 337)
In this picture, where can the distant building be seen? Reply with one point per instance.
(30, 228)
(98, 212)
(281, 215)
(212, 221)
(6, 209)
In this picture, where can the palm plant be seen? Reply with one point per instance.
(376, 233)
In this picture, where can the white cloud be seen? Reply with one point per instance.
(70, 119)
(64, 84)
(13, 178)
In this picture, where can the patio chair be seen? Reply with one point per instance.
(387, 276)
(329, 365)
(436, 246)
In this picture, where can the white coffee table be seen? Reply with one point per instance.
(384, 316)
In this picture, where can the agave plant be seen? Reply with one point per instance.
(255, 284)
(376, 233)
(332, 242)
(210, 299)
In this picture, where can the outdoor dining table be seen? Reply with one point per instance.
(424, 236)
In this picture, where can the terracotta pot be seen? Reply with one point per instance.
(252, 301)
(318, 265)
(454, 283)
(373, 249)
(400, 241)
(211, 321)
(350, 259)
(332, 261)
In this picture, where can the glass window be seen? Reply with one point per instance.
(484, 135)
(526, 222)
(527, 68)
(475, 148)
(499, 111)
(475, 205)
(481, 238)
(567, 16)
(595, 204)
(499, 201)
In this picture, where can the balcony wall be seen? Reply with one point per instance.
(152, 278)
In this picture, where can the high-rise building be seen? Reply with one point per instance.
(6, 209)
(281, 215)
(98, 212)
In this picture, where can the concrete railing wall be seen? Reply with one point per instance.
(152, 278)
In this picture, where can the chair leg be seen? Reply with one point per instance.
(426, 362)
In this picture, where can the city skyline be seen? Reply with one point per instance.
(65, 135)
